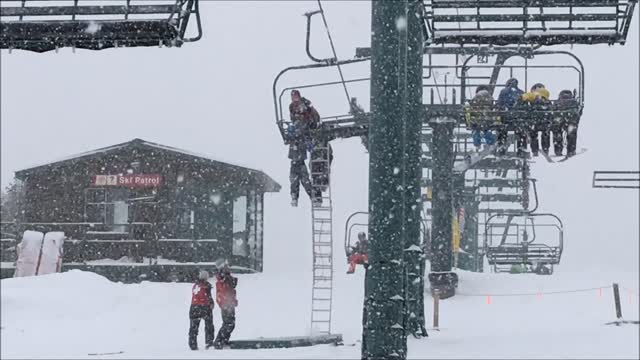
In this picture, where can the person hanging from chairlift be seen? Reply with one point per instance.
(566, 101)
(538, 99)
(359, 253)
(481, 102)
(507, 99)
(304, 118)
(201, 309)
(227, 301)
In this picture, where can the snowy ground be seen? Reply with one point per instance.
(73, 314)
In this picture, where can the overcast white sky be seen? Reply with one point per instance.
(214, 97)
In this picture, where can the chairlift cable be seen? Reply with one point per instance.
(335, 56)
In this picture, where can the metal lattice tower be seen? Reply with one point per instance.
(321, 218)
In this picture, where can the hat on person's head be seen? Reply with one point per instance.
(362, 235)
(295, 92)
(481, 88)
(513, 82)
(224, 268)
(203, 275)
(566, 94)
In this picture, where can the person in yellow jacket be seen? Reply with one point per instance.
(538, 99)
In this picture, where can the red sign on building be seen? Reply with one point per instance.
(128, 180)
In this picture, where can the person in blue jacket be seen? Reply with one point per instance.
(508, 98)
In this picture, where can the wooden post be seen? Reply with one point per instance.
(436, 309)
(616, 297)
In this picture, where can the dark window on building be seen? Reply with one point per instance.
(107, 206)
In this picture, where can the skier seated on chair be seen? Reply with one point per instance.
(304, 118)
(201, 309)
(538, 100)
(507, 99)
(359, 253)
(566, 102)
(227, 301)
(481, 103)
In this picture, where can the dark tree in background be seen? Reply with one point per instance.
(9, 202)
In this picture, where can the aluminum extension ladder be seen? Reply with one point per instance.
(321, 217)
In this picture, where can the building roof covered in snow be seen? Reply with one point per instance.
(141, 151)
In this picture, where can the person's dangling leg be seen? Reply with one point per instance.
(535, 145)
(572, 138)
(352, 263)
(558, 140)
(545, 139)
(294, 178)
(489, 137)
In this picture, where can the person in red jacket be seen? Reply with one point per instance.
(359, 253)
(226, 299)
(201, 308)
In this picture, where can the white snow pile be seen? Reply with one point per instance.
(73, 314)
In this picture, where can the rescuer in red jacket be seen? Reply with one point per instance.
(226, 299)
(201, 308)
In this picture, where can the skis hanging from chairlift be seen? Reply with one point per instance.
(563, 158)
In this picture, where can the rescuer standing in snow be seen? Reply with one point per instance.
(201, 308)
(227, 300)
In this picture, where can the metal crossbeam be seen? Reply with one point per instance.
(616, 179)
(522, 18)
(488, 163)
(488, 183)
(87, 10)
(42, 26)
(491, 22)
(445, 4)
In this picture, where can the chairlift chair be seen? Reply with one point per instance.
(358, 222)
(518, 242)
(517, 117)
(86, 24)
(527, 22)
(352, 122)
